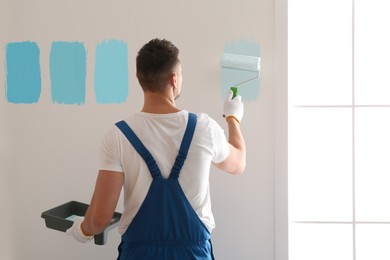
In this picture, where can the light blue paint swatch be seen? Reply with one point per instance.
(23, 72)
(111, 72)
(68, 72)
(229, 77)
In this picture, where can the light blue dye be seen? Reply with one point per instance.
(68, 72)
(229, 77)
(72, 217)
(23, 83)
(111, 72)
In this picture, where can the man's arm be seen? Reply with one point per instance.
(104, 200)
(236, 161)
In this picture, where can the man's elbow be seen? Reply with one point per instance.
(100, 223)
(240, 168)
(234, 165)
(236, 168)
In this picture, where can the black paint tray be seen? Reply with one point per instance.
(60, 218)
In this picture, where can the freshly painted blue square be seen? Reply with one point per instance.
(229, 77)
(111, 72)
(68, 72)
(23, 72)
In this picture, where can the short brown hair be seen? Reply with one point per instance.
(155, 62)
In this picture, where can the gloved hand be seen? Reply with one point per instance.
(233, 107)
(76, 232)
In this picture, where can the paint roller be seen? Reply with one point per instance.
(241, 62)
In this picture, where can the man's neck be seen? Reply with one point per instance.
(159, 103)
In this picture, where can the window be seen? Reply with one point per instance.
(339, 129)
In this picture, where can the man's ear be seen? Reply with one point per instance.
(173, 79)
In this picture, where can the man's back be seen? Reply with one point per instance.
(162, 134)
(166, 226)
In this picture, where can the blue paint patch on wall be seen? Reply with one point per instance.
(229, 77)
(23, 83)
(111, 72)
(68, 72)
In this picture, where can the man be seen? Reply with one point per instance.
(167, 209)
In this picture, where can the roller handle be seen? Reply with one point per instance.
(235, 91)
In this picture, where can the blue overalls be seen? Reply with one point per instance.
(166, 226)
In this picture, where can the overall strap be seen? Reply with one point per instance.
(184, 147)
(140, 148)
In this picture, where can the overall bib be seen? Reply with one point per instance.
(166, 226)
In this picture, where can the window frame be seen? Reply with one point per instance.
(281, 127)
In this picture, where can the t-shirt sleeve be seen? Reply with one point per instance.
(109, 158)
(220, 143)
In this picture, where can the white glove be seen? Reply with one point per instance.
(76, 232)
(233, 107)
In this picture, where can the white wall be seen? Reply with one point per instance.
(48, 152)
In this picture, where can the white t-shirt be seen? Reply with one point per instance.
(162, 134)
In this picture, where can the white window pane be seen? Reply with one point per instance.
(372, 242)
(320, 52)
(372, 164)
(320, 242)
(320, 164)
(372, 52)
